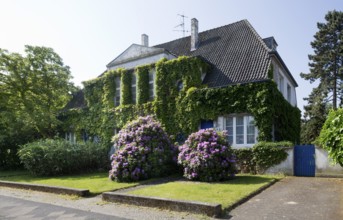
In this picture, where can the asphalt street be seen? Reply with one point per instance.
(20, 209)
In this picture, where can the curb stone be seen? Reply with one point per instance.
(329, 175)
(45, 188)
(212, 210)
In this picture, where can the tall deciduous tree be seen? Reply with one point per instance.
(33, 89)
(36, 86)
(326, 64)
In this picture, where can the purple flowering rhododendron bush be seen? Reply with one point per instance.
(207, 156)
(145, 151)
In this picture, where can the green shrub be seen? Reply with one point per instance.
(331, 136)
(262, 156)
(57, 157)
(245, 160)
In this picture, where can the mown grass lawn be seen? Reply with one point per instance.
(95, 182)
(224, 193)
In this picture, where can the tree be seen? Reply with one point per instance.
(314, 116)
(327, 61)
(33, 90)
(36, 87)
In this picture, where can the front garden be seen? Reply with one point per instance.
(96, 182)
(225, 193)
(204, 166)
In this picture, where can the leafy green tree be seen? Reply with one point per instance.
(33, 90)
(37, 87)
(327, 60)
(331, 136)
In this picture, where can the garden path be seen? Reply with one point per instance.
(305, 198)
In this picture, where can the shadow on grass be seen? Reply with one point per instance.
(237, 180)
(9, 173)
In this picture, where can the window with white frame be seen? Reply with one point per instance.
(251, 130)
(241, 129)
(229, 128)
(117, 95)
(289, 93)
(70, 136)
(151, 86)
(133, 88)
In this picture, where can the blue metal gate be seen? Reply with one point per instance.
(304, 160)
(206, 124)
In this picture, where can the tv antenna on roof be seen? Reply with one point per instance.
(182, 24)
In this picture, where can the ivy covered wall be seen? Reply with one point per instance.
(180, 109)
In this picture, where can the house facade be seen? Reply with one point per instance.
(228, 78)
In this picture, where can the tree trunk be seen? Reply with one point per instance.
(334, 103)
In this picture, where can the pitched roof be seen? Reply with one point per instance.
(134, 52)
(237, 53)
(77, 101)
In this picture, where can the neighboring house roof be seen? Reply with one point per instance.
(235, 51)
(77, 101)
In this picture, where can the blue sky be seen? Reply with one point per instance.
(88, 34)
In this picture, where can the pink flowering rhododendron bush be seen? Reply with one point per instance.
(207, 156)
(145, 151)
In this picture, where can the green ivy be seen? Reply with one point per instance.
(271, 72)
(168, 74)
(261, 100)
(142, 73)
(181, 111)
(125, 90)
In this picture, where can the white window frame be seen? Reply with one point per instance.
(118, 85)
(221, 125)
(134, 88)
(70, 136)
(289, 93)
(281, 83)
(152, 76)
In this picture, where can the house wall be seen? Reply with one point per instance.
(142, 61)
(278, 70)
(286, 167)
(324, 163)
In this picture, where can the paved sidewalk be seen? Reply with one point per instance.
(93, 205)
(295, 198)
(21, 209)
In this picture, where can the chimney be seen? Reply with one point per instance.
(271, 43)
(145, 40)
(194, 34)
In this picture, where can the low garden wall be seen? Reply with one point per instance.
(324, 164)
(285, 167)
